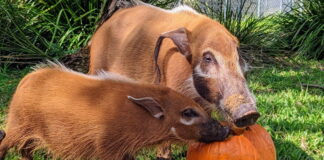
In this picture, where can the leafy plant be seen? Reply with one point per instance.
(32, 30)
(301, 30)
(163, 3)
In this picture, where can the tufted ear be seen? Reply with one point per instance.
(243, 64)
(149, 104)
(180, 39)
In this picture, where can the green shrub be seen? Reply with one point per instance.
(162, 3)
(32, 30)
(301, 30)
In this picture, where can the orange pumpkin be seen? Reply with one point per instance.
(254, 144)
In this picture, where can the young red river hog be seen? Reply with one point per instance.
(188, 52)
(77, 116)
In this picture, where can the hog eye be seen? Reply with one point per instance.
(189, 113)
(208, 57)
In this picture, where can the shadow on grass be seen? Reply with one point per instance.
(286, 150)
(296, 153)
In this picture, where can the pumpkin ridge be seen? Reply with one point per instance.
(240, 142)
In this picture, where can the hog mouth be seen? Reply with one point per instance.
(213, 131)
(216, 110)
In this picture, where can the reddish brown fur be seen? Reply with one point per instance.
(125, 44)
(118, 34)
(77, 117)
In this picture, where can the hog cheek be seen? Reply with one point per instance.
(207, 88)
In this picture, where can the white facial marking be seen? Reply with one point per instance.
(173, 130)
(186, 122)
(158, 115)
(200, 73)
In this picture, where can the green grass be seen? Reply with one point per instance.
(293, 115)
(35, 30)
(32, 31)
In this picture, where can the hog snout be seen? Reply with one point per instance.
(245, 115)
(213, 131)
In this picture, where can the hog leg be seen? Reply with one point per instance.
(27, 150)
(26, 154)
(7, 142)
(128, 157)
(164, 151)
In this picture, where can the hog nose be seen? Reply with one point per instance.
(245, 115)
(224, 133)
(213, 131)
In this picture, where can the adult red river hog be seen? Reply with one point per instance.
(106, 117)
(180, 49)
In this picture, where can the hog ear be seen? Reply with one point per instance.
(180, 39)
(149, 104)
(243, 64)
